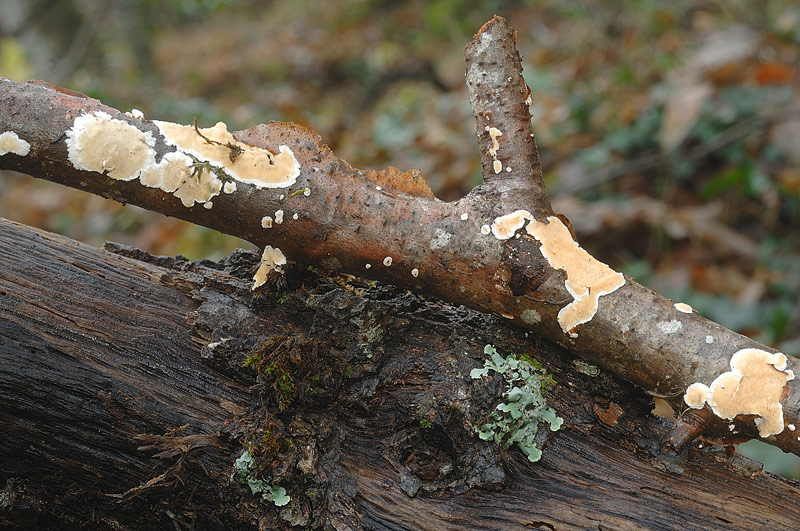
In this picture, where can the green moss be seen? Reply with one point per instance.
(516, 420)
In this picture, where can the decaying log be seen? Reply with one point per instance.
(125, 404)
(499, 250)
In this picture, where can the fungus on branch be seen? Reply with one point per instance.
(754, 386)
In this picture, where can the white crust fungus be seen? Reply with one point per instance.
(10, 142)
(709, 339)
(271, 258)
(753, 386)
(415, 272)
(494, 133)
(464, 216)
(279, 216)
(587, 278)
(485, 229)
(683, 307)
(243, 162)
(387, 261)
(97, 142)
(177, 174)
(266, 222)
(229, 187)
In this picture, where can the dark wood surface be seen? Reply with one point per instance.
(116, 413)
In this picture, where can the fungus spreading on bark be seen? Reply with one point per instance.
(10, 142)
(683, 307)
(266, 222)
(753, 386)
(271, 259)
(493, 134)
(279, 216)
(97, 142)
(243, 162)
(587, 279)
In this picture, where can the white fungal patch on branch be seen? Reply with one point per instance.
(97, 142)
(266, 222)
(229, 187)
(10, 142)
(753, 386)
(587, 280)
(494, 133)
(683, 307)
(243, 162)
(271, 258)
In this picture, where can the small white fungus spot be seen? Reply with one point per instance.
(295, 216)
(281, 197)
(415, 272)
(508, 169)
(207, 205)
(367, 266)
(669, 327)
(791, 427)
(10, 142)
(266, 222)
(683, 307)
(709, 339)
(464, 216)
(229, 187)
(731, 427)
(486, 229)
(307, 192)
(136, 113)
(507, 315)
(498, 166)
(387, 261)
(279, 216)
(271, 258)
(378, 188)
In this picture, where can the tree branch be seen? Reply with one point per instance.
(499, 250)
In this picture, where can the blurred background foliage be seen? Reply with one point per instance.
(669, 130)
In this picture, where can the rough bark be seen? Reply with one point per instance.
(121, 413)
(354, 219)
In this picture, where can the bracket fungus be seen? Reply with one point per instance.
(753, 386)
(587, 277)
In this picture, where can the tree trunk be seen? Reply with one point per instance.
(126, 403)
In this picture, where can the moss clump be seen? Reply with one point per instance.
(517, 418)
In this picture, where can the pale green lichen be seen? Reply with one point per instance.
(516, 420)
(243, 474)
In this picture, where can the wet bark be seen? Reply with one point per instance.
(354, 219)
(125, 404)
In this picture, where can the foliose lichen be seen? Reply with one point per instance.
(243, 474)
(517, 418)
